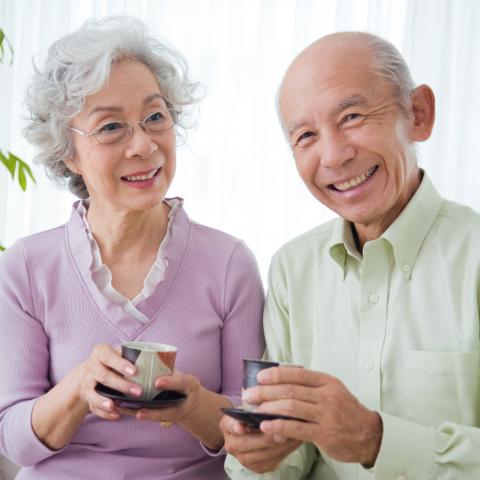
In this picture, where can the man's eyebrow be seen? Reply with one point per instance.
(353, 101)
(115, 109)
(294, 127)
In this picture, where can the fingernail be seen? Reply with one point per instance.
(237, 429)
(129, 370)
(247, 396)
(107, 404)
(263, 376)
(136, 391)
(265, 426)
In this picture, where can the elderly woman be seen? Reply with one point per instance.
(128, 265)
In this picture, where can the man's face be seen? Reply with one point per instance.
(351, 142)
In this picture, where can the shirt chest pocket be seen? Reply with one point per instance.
(442, 386)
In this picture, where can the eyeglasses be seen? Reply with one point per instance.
(117, 132)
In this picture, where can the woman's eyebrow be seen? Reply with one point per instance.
(115, 109)
(104, 109)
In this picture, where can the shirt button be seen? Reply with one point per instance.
(373, 298)
(406, 268)
(369, 366)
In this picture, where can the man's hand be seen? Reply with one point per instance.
(255, 450)
(336, 422)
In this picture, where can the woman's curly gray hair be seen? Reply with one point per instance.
(78, 65)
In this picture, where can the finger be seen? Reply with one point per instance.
(249, 442)
(267, 459)
(309, 412)
(295, 375)
(113, 360)
(303, 431)
(264, 393)
(177, 381)
(230, 426)
(105, 415)
(102, 407)
(131, 412)
(111, 379)
(173, 414)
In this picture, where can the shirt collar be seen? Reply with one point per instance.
(406, 234)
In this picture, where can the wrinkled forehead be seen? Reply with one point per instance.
(325, 79)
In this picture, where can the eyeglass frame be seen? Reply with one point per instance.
(173, 115)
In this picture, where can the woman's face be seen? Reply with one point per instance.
(133, 174)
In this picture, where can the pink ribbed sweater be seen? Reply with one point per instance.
(52, 315)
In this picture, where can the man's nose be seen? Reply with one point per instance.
(140, 143)
(335, 149)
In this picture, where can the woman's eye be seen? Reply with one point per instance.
(111, 127)
(155, 117)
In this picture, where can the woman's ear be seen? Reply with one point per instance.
(72, 165)
(423, 113)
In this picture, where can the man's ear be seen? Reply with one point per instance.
(422, 113)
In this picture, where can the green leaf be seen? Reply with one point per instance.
(22, 179)
(10, 162)
(25, 167)
(2, 248)
(3, 40)
(2, 36)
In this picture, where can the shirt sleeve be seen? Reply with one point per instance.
(275, 320)
(242, 334)
(24, 365)
(414, 451)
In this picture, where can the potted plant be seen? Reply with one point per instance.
(16, 166)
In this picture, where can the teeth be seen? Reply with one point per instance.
(139, 178)
(354, 182)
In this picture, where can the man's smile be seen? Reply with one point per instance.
(353, 182)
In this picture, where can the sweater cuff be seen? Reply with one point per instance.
(235, 400)
(23, 447)
(407, 450)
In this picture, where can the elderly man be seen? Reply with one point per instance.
(380, 306)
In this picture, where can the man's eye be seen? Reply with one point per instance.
(155, 118)
(351, 117)
(302, 138)
(111, 127)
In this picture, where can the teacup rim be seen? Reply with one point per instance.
(154, 346)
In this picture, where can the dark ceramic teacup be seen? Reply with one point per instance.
(251, 367)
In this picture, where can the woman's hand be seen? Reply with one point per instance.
(181, 413)
(58, 413)
(198, 414)
(105, 365)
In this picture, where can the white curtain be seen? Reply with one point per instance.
(236, 172)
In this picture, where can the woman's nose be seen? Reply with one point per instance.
(140, 143)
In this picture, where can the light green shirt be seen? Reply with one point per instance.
(399, 326)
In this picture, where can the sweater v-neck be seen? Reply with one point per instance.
(79, 245)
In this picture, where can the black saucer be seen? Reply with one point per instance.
(166, 398)
(253, 419)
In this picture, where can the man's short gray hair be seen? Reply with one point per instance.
(388, 63)
(79, 65)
